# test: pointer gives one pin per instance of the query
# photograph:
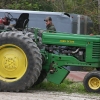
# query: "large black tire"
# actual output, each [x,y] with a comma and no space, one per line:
[98,69]
[30,35]
[30,60]
[39,44]
[39,39]
[41,78]
[91,81]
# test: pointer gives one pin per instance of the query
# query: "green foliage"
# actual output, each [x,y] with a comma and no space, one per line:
[84,7]
[26,5]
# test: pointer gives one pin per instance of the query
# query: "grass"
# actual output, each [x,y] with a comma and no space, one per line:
[67,86]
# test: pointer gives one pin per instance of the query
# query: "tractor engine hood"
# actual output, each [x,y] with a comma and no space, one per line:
[69,39]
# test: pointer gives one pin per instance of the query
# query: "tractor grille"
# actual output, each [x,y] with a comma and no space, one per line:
[96,50]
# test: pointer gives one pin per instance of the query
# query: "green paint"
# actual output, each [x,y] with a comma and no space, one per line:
[91,45]
[92,56]
[58,76]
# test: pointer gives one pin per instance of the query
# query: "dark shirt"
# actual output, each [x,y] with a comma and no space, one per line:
[51,28]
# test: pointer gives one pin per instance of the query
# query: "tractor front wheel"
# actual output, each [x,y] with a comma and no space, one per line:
[92,81]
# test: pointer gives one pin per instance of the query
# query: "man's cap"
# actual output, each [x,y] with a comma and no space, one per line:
[48,18]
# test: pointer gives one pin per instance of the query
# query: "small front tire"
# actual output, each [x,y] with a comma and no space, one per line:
[91,81]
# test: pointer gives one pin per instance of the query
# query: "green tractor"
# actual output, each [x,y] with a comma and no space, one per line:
[28,56]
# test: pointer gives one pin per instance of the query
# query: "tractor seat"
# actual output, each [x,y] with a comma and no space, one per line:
[22,21]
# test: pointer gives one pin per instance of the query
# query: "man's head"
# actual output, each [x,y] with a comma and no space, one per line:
[48,21]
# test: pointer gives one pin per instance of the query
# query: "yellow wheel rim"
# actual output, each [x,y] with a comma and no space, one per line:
[13,63]
[94,83]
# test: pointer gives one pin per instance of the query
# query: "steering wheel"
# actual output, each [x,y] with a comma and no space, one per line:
[9,16]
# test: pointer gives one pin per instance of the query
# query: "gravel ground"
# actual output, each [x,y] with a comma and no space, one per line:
[45,95]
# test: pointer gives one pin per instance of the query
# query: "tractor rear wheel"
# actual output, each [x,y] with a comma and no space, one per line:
[92,81]
[41,77]
[20,62]
[98,69]
[39,44]
[39,39]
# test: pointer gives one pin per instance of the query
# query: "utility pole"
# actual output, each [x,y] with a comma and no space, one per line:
[99,13]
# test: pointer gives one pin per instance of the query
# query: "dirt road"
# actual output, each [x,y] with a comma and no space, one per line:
[44,95]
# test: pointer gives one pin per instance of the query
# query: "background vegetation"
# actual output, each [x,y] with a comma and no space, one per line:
[86,7]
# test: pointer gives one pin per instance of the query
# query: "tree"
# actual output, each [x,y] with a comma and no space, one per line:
[90,8]
[26,4]
[83,7]
[99,13]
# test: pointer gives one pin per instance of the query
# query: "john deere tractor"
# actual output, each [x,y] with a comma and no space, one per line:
[29,55]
